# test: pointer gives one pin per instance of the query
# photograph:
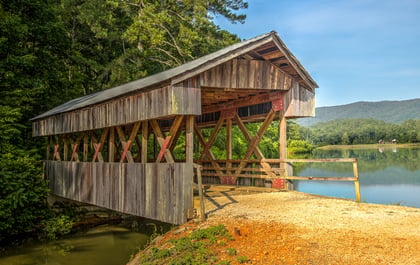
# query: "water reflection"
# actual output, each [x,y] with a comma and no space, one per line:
[387,175]
[104,245]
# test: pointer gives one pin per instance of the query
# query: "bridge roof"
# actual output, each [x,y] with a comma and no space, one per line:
[267,46]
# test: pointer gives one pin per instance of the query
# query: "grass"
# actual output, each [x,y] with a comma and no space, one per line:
[195,248]
[242,259]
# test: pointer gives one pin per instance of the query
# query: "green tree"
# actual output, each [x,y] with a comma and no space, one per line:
[22,195]
[32,46]
[345,138]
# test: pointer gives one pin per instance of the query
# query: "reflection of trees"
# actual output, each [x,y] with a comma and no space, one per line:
[369,160]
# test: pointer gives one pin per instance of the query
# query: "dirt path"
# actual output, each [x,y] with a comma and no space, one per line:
[297,228]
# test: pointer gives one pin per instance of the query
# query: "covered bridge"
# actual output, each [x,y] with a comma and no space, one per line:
[133,148]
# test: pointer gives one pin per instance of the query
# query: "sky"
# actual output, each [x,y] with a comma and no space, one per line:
[356,50]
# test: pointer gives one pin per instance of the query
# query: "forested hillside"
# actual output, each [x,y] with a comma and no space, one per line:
[363,131]
[388,111]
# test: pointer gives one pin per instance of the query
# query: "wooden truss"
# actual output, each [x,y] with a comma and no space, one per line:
[123,144]
[247,166]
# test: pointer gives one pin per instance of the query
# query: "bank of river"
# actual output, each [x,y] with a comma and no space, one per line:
[298,228]
[369,146]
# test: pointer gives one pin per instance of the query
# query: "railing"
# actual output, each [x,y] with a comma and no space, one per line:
[273,169]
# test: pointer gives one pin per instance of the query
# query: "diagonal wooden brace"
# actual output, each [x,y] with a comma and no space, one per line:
[253,145]
[127,144]
[56,155]
[212,137]
[98,146]
[170,138]
[161,139]
[210,154]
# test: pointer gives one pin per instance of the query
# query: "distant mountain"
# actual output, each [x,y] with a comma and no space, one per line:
[388,111]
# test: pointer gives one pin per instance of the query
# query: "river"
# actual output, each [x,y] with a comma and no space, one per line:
[103,245]
[387,175]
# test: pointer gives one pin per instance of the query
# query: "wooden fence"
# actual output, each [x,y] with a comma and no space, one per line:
[160,191]
[266,169]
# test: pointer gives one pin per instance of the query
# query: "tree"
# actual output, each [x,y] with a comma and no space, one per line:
[363,131]
[23,195]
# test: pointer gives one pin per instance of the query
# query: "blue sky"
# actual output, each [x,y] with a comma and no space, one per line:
[356,50]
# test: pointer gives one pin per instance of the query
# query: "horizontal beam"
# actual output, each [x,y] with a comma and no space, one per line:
[273,161]
[243,102]
[259,176]
[276,170]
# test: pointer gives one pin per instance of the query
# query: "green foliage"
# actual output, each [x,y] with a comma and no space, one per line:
[242,259]
[22,195]
[231,251]
[56,226]
[212,234]
[299,147]
[192,249]
[9,128]
[364,131]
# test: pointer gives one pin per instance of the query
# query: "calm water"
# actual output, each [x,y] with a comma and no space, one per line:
[104,245]
[387,176]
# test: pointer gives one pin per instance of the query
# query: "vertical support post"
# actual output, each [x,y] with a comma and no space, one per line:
[85,146]
[200,193]
[356,180]
[283,137]
[65,148]
[228,145]
[56,155]
[144,138]
[189,139]
[48,153]
[189,151]
[283,150]
[111,144]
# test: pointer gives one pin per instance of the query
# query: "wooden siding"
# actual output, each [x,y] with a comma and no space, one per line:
[246,74]
[299,102]
[162,102]
[157,191]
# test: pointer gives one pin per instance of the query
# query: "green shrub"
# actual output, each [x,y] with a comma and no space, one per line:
[57,226]
[299,147]
[23,195]
[192,249]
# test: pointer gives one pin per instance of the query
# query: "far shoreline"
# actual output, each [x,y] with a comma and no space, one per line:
[368,146]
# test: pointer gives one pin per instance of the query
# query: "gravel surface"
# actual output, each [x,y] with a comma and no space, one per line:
[297,228]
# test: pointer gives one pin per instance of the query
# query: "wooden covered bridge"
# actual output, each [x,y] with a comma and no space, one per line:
[133,148]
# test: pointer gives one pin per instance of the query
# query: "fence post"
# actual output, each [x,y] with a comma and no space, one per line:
[200,192]
[356,180]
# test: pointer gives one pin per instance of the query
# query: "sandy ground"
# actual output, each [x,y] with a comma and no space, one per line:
[297,228]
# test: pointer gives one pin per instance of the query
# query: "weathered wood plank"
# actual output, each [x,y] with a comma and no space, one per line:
[156,103]
[141,190]
[158,191]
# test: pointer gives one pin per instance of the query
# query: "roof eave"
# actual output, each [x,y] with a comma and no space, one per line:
[295,63]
